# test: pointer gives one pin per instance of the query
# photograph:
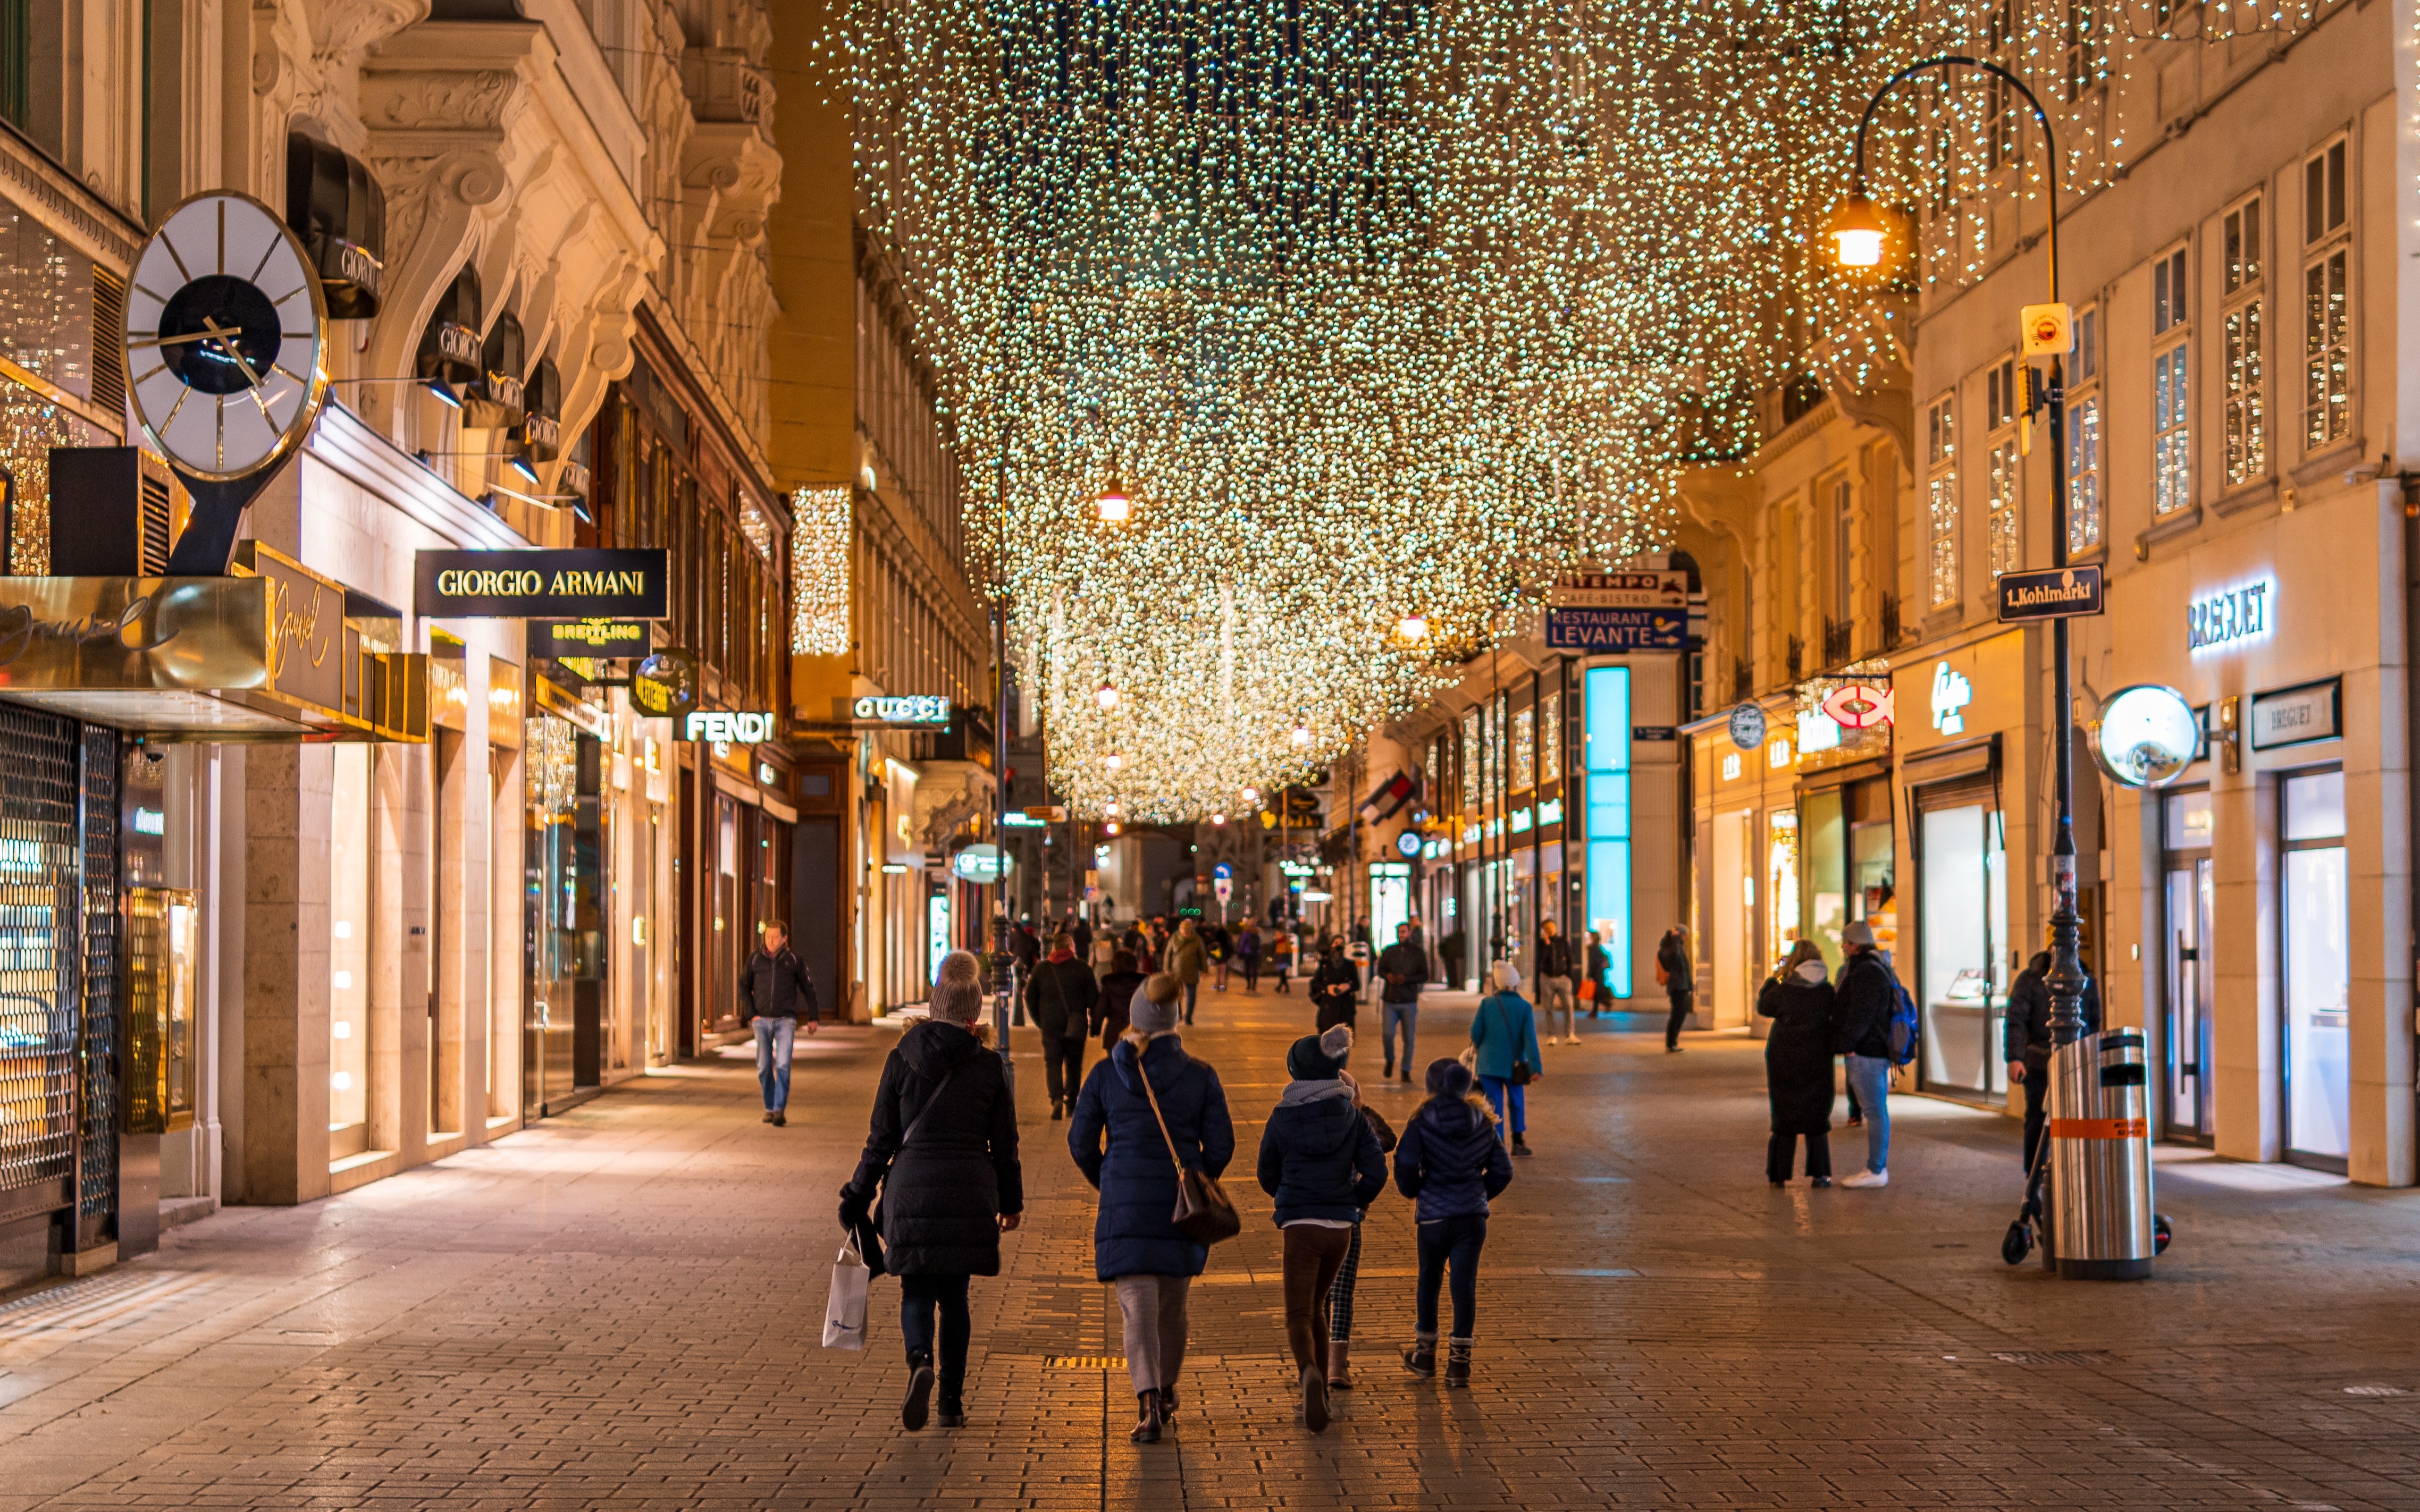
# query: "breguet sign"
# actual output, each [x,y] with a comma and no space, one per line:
[542,585]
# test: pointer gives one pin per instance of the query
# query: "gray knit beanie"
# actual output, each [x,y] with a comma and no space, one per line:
[958,989]
[1156,1004]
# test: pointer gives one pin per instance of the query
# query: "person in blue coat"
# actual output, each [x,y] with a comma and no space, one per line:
[1504,1035]
[1449,1161]
[1117,1143]
[1321,1161]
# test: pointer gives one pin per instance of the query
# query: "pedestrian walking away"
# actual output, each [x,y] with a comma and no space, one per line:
[1248,957]
[1600,977]
[775,993]
[1348,1275]
[2025,1038]
[1402,970]
[1680,981]
[1062,1001]
[1504,1052]
[1117,1141]
[939,1180]
[1123,979]
[1798,1064]
[1282,955]
[1321,1161]
[1867,998]
[1556,970]
[1336,987]
[1450,1162]
[1187,956]
[1103,955]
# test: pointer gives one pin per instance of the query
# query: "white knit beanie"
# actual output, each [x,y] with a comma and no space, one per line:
[1508,975]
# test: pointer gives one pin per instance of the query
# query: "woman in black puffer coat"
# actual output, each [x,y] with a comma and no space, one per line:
[1320,1159]
[941,1153]
[1798,1064]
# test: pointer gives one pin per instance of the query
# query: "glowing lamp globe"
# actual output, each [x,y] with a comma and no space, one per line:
[1113,503]
[1858,233]
[1107,696]
[1412,629]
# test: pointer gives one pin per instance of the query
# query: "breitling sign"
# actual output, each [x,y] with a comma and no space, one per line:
[542,585]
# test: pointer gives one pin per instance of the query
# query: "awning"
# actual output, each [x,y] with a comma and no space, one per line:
[269,654]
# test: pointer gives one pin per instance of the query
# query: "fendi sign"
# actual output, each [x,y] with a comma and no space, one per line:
[542,585]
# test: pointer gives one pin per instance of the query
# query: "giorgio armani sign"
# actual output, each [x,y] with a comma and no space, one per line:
[542,585]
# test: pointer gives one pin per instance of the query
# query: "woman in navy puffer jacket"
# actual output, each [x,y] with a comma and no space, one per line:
[1321,1161]
[1116,1141]
[1449,1163]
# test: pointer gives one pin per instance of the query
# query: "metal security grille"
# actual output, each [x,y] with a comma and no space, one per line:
[39,965]
[96,1185]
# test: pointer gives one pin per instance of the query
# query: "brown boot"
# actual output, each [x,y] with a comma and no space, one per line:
[1315,1399]
[1338,1355]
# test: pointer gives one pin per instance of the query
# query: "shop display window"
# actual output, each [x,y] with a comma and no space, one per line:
[1962,971]
[349,952]
[2317,967]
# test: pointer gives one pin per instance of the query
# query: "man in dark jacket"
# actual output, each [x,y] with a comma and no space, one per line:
[1335,987]
[2027,1043]
[774,994]
[941,1153]
[1062,1000]
[1867,1000]
[1403,969]
[1553,972]
[1680,982]
[1321,1161]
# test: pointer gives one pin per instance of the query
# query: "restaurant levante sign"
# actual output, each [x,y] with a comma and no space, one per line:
[543,585]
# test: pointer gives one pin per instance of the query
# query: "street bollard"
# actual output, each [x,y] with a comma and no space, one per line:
[2102,1227]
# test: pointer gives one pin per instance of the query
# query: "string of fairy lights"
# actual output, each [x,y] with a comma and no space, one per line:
[1375,316]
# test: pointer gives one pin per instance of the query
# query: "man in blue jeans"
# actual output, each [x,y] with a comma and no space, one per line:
[774,994]
[1861,1028]
[1403,969]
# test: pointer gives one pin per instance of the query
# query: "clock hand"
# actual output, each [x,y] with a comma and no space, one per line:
[226,340]
[170,341]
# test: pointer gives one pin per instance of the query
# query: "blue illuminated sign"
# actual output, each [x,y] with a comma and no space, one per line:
[1606,693]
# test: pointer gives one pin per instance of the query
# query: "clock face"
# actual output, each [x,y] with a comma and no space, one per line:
[225,334]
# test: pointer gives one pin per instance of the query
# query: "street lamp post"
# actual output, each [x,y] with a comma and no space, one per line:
[1859,232]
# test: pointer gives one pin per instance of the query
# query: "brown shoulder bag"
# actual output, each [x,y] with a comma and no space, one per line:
[1203,1214]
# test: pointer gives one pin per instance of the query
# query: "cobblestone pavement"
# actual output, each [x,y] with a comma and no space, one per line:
[621,1309]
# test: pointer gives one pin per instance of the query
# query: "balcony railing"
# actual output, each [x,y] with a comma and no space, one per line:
[1838,636]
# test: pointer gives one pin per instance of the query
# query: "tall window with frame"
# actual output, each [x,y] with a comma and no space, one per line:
[2084,434]
[2081,62]
[2006,538]
[1941,499]
[2327,290]
[2171,388]
[2245,411]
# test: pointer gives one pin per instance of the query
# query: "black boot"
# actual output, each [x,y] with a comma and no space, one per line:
[1146,1428]
[913,1412]
[1419,1356]
[1521,1146]
[1457,1363]
[950,1411]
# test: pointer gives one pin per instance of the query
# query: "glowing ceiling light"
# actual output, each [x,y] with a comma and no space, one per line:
[1107,696]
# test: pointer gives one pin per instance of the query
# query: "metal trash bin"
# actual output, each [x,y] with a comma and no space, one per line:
[2100,1158]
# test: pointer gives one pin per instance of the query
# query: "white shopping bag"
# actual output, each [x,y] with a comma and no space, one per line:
[845,1315]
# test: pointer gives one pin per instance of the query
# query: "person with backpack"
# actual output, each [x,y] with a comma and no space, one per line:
[1149,1093]
[1866,1010]
[1798,1064]
[1321,1161]
[940,1154]
[1680,982]
[1504,1051]
[1451,1164]
[1062,1000]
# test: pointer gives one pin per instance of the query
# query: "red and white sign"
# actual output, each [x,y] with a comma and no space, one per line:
[1858,706]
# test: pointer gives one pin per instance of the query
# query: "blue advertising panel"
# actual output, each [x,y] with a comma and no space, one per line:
[1607,755]
[1617,629]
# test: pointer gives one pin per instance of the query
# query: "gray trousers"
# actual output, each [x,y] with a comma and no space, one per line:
[1152,1310]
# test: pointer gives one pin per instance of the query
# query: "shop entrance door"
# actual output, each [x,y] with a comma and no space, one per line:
[2318,968]
[1734,910]
[2191,979]
[1963,914]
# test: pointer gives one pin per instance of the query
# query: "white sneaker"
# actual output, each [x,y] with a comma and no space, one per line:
[1866,1179]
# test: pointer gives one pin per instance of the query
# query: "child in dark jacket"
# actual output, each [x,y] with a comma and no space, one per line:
[1322,1163]
[1449,1163]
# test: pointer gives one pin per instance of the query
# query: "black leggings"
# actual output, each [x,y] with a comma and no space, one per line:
[919,1296]
[1458,1240]
[1681,1004]
[1781,1148]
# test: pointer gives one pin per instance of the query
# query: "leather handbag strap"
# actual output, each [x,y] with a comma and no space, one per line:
[1173,1157]
[927,1107]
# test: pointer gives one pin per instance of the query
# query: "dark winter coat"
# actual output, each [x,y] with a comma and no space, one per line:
[1402,967]
[943,1193]
[1553,956]
[1862,1015]
[1117,1145]
[1336,990]
[1679,979]
[1600,970]
[1319,1157]
[1116,1009]
[1449,1161]
[774,985]
[1798,1056]
[1062,999]
[2025,1030]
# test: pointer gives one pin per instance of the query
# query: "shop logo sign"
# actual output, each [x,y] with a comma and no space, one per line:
[728,727]
[2222,621]
[1951,693]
